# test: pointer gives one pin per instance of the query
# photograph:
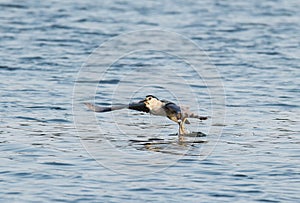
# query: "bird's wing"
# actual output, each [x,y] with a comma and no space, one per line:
[188,114]
[140,106]
[172,108]
[101,109]
[192,115]
[134,106]
[172,111]
[185,110]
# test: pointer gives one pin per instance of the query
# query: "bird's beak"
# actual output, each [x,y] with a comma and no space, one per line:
[142,101]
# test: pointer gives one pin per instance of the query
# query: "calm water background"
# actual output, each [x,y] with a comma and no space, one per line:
[255,47]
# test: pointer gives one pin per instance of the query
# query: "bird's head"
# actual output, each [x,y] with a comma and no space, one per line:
[152,101]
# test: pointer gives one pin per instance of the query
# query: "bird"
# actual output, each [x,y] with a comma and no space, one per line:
[151,104]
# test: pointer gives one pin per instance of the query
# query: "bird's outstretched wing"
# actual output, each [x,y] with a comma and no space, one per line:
[185,110]
[140,106]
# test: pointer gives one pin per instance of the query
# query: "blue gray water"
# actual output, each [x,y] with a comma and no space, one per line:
[45,157]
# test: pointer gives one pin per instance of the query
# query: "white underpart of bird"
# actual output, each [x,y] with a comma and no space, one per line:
[154,106]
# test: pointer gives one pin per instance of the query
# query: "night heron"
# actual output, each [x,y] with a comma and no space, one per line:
[154,106]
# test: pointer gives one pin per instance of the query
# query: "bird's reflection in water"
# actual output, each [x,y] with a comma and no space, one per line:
[177,145]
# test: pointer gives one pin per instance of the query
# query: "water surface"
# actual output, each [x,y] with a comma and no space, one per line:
[253,45]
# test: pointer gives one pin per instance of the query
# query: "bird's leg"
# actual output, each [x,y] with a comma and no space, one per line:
[182,130]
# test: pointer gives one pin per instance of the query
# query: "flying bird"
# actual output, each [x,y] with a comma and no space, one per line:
[154,106]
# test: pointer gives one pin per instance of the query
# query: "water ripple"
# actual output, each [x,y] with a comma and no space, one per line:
[254,46]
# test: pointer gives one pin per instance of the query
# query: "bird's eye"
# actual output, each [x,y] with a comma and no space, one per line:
[149,98]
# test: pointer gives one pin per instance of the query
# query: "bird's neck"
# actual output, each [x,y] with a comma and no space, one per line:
[156,108]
